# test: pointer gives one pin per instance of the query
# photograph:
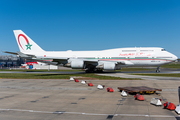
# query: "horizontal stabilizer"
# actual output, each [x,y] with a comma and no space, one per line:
[20,54]
[25,55]
[14,53]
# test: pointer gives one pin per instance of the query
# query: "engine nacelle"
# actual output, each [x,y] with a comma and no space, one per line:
[109,66]
[77,64]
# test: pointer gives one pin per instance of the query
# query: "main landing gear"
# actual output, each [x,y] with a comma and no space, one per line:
[90,69]
[94,71]
[158,69]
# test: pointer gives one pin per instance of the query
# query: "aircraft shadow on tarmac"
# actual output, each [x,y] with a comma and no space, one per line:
[164,70]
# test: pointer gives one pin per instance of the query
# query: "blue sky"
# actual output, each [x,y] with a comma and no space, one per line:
[59,25]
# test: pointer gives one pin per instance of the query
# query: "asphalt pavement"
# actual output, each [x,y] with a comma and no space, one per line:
[39,99]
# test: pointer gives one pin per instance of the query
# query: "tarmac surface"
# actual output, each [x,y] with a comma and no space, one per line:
[125,75]
[163,71]
[40,99]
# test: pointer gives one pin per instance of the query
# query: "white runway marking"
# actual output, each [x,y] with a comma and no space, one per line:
[79,113]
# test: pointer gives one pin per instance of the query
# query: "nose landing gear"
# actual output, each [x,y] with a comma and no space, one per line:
[158,69]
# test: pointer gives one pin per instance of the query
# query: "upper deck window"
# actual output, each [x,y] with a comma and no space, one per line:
[146,50]
[128,50]
[163,50]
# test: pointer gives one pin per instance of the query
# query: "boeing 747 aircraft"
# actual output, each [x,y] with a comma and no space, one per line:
[111,59]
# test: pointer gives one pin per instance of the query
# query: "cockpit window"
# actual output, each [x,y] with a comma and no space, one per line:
[163,50]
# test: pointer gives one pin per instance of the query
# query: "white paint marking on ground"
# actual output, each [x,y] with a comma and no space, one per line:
[46,88]
[127,115]
[129,75]
[170,90]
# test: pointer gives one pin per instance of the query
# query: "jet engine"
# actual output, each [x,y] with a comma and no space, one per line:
[77,64]
[109,66]
[106,65]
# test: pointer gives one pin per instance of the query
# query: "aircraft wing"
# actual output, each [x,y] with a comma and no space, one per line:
[90,61]
[63,60]
[126,62]
[96,61]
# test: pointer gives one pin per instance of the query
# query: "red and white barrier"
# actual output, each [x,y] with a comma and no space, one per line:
[90,84]
[100,87]
[83,82]
[109,89]
[156,101]
[123,93]
[139,97]
[71,78]
[169,106]
[76,80]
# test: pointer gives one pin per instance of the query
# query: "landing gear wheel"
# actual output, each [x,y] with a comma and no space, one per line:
[89,70]
[99,71]
[158,70]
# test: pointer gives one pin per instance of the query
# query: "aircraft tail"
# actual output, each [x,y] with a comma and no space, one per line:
[25,43]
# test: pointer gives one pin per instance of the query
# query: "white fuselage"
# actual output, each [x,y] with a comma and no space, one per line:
[111,59]
[146,56]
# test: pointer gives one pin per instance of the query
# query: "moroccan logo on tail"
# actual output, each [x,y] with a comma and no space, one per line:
[27,41]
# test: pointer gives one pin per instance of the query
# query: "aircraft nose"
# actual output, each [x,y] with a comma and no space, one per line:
[175,57]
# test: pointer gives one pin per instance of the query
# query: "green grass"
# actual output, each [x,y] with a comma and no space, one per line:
[172,65]
[57,76]
[67,76]
[27,70]
[158,74]
[126,69]
[76,70]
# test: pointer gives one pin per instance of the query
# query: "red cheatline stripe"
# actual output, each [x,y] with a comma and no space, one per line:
[132,59]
